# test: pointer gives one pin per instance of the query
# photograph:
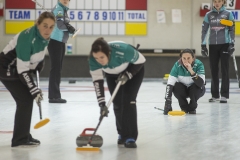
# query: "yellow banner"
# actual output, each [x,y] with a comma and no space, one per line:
[237,28]
[14,27]
[136,29]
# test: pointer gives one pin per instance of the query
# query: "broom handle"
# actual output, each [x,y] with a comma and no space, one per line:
[39,104]
[108,105]
[159,108]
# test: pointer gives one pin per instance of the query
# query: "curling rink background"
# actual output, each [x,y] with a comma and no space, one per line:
[213,133]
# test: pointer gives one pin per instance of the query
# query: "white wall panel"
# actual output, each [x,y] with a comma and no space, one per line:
[113,4]
[80,4]
[112,28]
[104,28]
[96,4]
[88,28]
[105,4]
[48,4]
[96,28]
[73,4]
[54,2]
[121,4]
[88,4]
[120,28]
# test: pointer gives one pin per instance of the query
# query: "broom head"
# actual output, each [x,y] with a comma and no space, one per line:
[41,123]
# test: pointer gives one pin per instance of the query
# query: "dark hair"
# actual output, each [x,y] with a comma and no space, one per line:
[187,51]
[100,45]
[45,15]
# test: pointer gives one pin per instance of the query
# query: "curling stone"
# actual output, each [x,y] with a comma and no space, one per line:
[83,139]
[165,78]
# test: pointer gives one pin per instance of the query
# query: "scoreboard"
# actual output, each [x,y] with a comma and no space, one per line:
[94,17]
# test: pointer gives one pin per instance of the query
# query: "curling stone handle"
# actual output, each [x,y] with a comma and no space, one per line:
[87,129]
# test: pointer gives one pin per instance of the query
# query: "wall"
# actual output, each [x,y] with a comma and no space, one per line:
[168,36]
[156,66]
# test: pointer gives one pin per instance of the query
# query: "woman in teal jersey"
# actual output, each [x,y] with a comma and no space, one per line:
[57,49]
[186,80]
[118,59]
[221,46]
[24,54]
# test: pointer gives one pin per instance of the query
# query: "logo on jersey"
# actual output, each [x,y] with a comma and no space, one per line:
[59,13]
[97,88]
[33,40]
[215,21]
[211,17]
[223,16]
[120,53]
[115,45]
[27,31]
[217,28]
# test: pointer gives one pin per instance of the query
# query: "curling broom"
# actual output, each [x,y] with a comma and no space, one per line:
[46,120]
[88,147]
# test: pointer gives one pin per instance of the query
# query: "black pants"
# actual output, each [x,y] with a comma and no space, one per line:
[216,53]
[125,105]
[56,51]
[182,92]
[23,115]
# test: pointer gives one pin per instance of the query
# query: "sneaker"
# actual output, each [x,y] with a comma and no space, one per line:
[213,99]
[192,112]
[57,100]
[223,100]
[120,141]
[27,144]
[130,143]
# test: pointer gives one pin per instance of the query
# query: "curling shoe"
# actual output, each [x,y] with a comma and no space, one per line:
[27,144]
[223,100]
[35,141]
[213,99]
[120,141]
[192,112]
[130,143]
[57,100]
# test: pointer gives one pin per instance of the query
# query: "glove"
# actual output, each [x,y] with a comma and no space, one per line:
[39,67]
[204,51]
[231,49]
[168,106]
[103,110]
[38,96]
[124,77]
[70,28]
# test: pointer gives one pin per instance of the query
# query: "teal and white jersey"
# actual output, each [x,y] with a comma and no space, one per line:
[24,51]
[121,55]
[218,33]
[60,32]
[180,74]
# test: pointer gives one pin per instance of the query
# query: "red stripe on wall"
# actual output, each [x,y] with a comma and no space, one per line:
[19,4]
[136,4]
[237,4]
[1,12]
